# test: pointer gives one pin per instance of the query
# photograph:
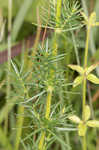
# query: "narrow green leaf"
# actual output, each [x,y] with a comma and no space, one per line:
[75,119]
[4,141]
[87,112]
[91,68]
[93,123]
[19,20]
[77,68]
[77,81]
[93,78]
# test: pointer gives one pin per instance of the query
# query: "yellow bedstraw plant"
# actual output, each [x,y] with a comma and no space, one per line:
[85,74]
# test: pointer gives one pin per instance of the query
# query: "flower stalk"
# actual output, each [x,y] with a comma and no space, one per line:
[85,74]
[89,23]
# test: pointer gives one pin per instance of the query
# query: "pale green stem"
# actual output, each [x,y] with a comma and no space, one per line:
[47,116]
[84,98]
[58,12]
[84,143]
[48,105]
[85,83]
[86,48]
[58,15]
[85,65]
[19,125]
[4,141]
[9,58]
[83,115]
[41,143]
[20,118]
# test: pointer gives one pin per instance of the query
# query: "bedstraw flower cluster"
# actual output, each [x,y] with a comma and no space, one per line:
[82,125]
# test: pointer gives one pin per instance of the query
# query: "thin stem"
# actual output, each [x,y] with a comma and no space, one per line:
[58,15]
[48,104]
[83,114]
[84,98]
[85,65]
[84,143]
[85,82]
[86,48]
[75,48]
[20,118]
[58,12]
[9,58]
[47,116]
[41,143]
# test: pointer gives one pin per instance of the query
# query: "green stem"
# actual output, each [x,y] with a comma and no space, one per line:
[4,141]
[48,103]
[84,143]
[86,48]
[47,116]
[20,119]
[19,125]
[84,98]
[58,12]
[85,83]
[58,15]
[9,58]
[41,143]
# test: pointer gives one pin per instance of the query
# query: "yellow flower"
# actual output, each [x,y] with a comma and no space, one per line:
[82,125]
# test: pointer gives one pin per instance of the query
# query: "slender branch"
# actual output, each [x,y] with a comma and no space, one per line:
[85,82]
[9,57]
[86,48]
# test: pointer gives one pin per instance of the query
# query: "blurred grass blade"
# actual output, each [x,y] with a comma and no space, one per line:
[20,18]
[4,141]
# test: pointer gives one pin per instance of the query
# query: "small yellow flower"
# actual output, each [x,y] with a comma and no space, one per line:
[82,125]
[84,73]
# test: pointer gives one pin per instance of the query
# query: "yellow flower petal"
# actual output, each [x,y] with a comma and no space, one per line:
[75,119]
[77,68]
[77,81]
[93,123]
[93,78]
[91,68]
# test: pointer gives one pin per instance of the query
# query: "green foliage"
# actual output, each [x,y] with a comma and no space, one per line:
[40,95]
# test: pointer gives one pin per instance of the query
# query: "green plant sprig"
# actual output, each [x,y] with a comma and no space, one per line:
[47,116]
[50,88]
[85,73]
[70,14]
[82,125]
